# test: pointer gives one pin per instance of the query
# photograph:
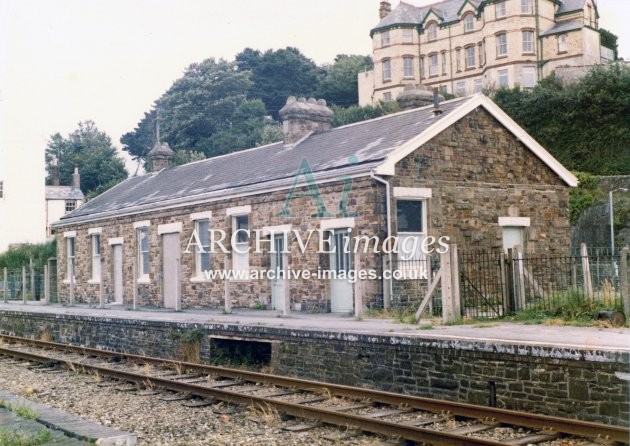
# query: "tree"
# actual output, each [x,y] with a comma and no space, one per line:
[205,111]
[276,75]
[92,152]
[609,40]
[357,113]
[585,125]
[340,83]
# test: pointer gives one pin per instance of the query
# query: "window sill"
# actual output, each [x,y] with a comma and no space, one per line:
[200,279]
[67,281]
[409,77]
[385,81]
[504,56]
[529,53]
[143,281]
[470,68]
[562,52]
[93,282]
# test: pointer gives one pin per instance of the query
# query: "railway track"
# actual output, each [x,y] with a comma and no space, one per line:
[413,418]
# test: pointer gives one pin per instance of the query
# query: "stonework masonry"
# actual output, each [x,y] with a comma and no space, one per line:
[575,383]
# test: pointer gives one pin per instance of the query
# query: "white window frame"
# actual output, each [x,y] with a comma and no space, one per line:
[527,72]
[503,74]
[408,263]
[70,237]
[240,260]
[469,22]
[142,275]
[502,45]
[70,205]
[407,35]
[432,31]
[408,67]
[387,70]
[527,7]
[470,56]
[528,41]
[562,42]
[385,38]
[434,68]
[444,63]
[95,242]
[460,88]
[501,9]
[199,271]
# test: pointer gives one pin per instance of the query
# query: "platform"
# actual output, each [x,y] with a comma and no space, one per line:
[566,337]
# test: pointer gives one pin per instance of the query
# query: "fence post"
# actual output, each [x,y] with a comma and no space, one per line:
[72,287]
[386,284]
[101,282]
[586,271]
[457,303]
[286,304]
[227,300]
[358,287]
[448,306]
[134,294]
[521,278]
[624,279]
[24,285]
[32,278]
[46,285]
[6,284]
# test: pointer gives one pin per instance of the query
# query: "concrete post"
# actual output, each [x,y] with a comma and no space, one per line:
[101,290]
[134,294]
[6,284]
[586,271]
[358,288]
[178,292]
[227,300]
[72,287]
[520,278]
[624,279]
[286,304]
[386,283]
[24,285]
[448,307]
[32,277]
[457,303]
[46,285]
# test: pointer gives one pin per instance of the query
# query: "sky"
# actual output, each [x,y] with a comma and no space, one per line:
[65,61]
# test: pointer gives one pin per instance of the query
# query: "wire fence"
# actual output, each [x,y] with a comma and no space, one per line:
[29,284]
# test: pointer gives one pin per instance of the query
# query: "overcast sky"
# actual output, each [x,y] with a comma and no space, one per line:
[63,61]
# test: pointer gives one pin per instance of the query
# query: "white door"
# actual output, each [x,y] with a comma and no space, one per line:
[341,289]
[170,270]
[278,282]
[512,236]
[117,271]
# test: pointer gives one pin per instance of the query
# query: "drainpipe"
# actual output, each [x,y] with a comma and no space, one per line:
[389,230]
[538,45]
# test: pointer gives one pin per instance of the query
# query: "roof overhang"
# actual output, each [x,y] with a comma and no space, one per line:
[480,100]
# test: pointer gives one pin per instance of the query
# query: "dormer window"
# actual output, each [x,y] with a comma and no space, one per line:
[469,22]
[501,9]
[432,31]
[385,38]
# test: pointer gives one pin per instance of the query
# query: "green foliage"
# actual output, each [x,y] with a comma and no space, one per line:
[609,40]
[583,196]
[193,335]
[278,74]
[16,437]
[187,156]
[339,85]
[585,125]
[18,257]
[91,151]
[356,113]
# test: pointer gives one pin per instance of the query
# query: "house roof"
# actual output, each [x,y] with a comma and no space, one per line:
[63,193]
[355,149]
[570,6]
[407,14]
[563,27]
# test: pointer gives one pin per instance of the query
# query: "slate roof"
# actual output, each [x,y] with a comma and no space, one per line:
[367,143]
[563,27]
[63,193]
[570,5]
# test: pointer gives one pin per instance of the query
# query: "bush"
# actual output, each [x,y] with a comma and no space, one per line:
[20,256]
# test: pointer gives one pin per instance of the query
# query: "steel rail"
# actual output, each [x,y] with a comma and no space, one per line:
[338,418]
[534,421]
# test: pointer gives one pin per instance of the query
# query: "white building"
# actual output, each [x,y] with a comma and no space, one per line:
[62,199]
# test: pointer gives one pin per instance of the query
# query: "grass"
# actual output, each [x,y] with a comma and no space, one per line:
[22,411]
[405,315]
[19,438]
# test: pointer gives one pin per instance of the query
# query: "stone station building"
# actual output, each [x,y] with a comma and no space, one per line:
[463,169]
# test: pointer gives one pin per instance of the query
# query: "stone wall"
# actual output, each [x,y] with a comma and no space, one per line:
[549,380]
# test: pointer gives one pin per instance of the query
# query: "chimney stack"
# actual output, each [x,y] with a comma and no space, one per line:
[385,9]
[76,179]
[54,171]
[415,96]
[301,117]
[161,157]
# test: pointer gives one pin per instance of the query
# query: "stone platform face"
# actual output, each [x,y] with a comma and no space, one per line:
[588,382]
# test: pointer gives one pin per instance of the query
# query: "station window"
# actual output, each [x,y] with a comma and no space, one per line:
[143,252]
[202,256]
[96,257]
[240,258]
[70,258]
[411,233]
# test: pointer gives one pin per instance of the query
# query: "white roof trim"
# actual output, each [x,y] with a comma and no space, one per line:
[116,241]
[514,221]
[238,210]
[413,192]
[388,167]
[337,223]
[170,228]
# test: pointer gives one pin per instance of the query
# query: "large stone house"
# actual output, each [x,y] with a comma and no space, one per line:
[463,46]
[464,170]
